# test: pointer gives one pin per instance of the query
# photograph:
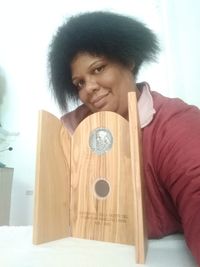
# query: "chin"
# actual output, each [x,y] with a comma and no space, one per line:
[107,108]
[104,108]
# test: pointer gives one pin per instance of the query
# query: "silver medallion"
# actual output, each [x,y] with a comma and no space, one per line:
[101,140]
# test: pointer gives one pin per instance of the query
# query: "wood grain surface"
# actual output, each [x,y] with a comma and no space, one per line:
[67,172]
[111,218]
[141,240]
[52,187]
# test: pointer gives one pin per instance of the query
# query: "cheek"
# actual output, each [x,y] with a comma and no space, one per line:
[107,80]
[82,95]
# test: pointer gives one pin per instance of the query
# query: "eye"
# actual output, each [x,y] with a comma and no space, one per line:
[79,84]
[99,69]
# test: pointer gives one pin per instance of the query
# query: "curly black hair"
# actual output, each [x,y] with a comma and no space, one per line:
[118,37]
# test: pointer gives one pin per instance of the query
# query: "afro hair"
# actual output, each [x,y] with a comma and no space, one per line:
[118,37]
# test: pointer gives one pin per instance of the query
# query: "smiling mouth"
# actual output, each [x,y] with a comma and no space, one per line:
[99,101]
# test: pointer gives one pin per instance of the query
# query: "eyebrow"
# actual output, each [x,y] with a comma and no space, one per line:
[89,67]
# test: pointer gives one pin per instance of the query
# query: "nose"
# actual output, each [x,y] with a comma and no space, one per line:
[91,85]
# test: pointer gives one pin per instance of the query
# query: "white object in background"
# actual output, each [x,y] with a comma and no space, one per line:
[6,137]
[5,134]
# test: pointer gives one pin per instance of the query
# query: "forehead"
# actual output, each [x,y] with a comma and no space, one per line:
[86,57]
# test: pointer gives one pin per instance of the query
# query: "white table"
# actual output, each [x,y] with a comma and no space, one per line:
[17,250]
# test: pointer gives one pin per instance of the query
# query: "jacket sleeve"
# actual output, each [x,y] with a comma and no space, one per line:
[179,171]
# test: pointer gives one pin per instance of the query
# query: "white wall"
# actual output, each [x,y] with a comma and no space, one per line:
[181,24]
[26,28]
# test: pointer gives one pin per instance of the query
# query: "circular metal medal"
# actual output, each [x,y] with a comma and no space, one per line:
[100,140]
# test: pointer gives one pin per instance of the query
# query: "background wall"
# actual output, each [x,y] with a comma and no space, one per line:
[26,28]
[181,23]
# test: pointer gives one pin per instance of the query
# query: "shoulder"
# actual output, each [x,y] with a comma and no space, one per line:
[173,110]
[175,129]
[171,141]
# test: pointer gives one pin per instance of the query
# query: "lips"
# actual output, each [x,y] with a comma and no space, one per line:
[99,101]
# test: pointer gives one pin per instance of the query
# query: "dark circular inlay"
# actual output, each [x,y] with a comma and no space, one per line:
[102,188]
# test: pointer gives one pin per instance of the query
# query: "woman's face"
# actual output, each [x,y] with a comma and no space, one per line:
[102,84]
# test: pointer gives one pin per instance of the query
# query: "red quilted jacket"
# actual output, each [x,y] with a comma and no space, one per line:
[171,152]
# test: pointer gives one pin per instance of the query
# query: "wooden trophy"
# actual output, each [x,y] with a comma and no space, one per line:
[90,185]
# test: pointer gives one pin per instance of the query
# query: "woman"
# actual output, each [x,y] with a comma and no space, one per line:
[95,57]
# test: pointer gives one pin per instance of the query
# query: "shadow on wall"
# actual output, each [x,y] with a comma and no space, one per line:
[2,85]
[2,94]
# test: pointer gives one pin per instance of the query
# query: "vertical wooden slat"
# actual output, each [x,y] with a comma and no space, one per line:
[52,187]
[141,240]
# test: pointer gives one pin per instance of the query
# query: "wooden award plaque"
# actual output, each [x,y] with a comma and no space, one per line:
[90,185]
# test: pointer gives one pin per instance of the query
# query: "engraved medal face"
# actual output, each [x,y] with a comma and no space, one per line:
[101,140]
